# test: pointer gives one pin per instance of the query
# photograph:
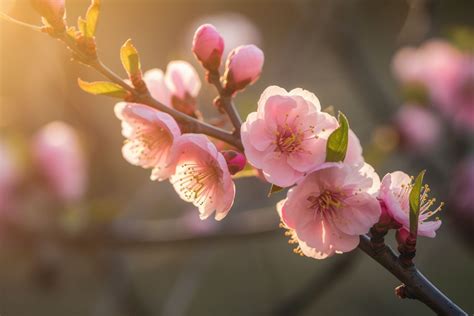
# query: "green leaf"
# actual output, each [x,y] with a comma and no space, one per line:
[415,196]
[336,146]
[92,16]
[82,25]
[109,89]
[274,189]
[130,58]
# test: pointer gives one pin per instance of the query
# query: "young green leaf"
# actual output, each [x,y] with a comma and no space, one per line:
[82,25]
[130,58]
[415,196]
[92,16]
[336,146]
[109,89]
[274,189]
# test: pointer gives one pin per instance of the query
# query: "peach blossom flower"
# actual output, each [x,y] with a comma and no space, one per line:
[60,158]
[287,135]
[327,211]
[208,46]
[150,135]
[243,67]
[177,88]
[201,176]
[419,127]
[394,192]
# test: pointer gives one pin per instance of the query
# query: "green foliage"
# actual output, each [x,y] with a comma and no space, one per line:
[415,196]
[92,17]
[274,189]
[130,58]
[103,88]
[336,146]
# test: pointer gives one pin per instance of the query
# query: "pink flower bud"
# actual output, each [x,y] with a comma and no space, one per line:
[208,46]
[235,161]
[52,10]
[60,160]
[243,67]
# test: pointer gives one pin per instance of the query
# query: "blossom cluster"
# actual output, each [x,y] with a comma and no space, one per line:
[439,74]
[329,203]
[198,171]
[57,162]
[334,196]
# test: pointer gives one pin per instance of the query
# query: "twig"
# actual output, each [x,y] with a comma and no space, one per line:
[417,284]
[190,123]
[226,102]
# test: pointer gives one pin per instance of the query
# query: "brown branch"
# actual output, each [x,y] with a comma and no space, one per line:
[226,102]
[189,123]
[416,283]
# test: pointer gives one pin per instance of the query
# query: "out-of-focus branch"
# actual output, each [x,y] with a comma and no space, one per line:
[417,286]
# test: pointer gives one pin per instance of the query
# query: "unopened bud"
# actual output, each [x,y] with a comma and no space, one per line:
[235,161]
[243,67]
[208,46]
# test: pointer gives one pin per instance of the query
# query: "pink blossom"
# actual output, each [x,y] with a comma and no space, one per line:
[446,73]
[155,82]
[177,88]
[287,135]
[9,175]
[243,67]
[201,176]
[422,65]
[419,127]
[394,192]
[454,95]
[327,211]
[60,158]
[208,46]
[150,135]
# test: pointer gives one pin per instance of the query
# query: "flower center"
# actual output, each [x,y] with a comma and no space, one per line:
[325,202]
[426,203]
[150,143]
[290,137]
[198,180]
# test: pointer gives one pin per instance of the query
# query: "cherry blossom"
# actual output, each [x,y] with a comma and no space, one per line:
[327,211]
[150,135]
[201,176]
[287,135]
[243,67]
[208,46]
[395,191]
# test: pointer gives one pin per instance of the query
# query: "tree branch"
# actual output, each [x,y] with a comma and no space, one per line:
[417,284]
[189,123]
[226,102]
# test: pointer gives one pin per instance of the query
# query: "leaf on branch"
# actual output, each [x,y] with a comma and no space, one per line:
[92,17]
[130,58]
[106,88]
[415,196]
[82,25]
[274,189]
[336,146]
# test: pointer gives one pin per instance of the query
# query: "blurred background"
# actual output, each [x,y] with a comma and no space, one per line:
[64,184]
